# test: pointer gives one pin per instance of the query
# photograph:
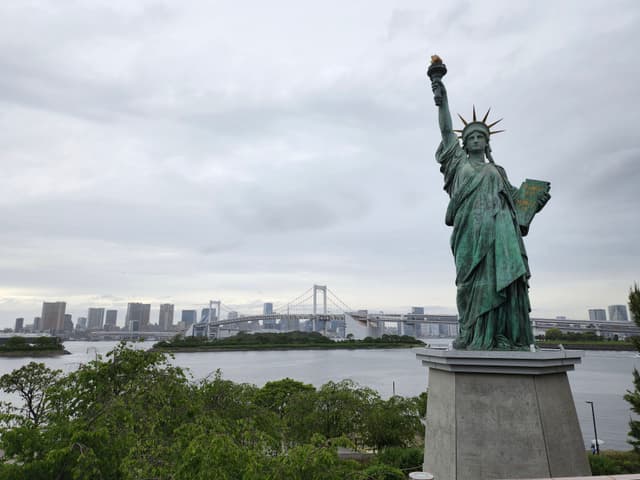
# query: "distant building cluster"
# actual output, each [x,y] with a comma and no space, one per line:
[54,319]
[617,313]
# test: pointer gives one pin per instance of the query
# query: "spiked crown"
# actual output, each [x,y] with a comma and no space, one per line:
[477,126]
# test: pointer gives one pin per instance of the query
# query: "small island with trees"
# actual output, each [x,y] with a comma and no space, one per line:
[283,341]
[17,346]
[583,341]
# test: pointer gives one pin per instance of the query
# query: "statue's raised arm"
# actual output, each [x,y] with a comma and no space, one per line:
[436,71]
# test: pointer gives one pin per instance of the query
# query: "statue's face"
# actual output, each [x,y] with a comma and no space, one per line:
[475,142]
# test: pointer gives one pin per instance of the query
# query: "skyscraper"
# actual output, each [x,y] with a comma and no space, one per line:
[68,323]
[269,323]
[618,313]
[95,318]
[189,317]
[111,319]
[165,319]
[19,327]
[137,318]
[597,315]
[37,324]
[52,318]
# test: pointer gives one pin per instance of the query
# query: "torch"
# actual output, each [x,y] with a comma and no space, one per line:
[436,71]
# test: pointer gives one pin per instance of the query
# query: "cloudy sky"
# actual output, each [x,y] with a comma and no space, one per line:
[243,151]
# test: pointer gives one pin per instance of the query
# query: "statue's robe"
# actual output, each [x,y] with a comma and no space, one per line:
[491,262]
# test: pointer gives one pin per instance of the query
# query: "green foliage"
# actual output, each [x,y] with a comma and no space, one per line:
[265,341]
[421,401]
[633,397]
[406,459]
[602,465]
[381,472]
[555,334]
[32,384]
[393,422]
[17,343]
[341,409]
[634,304]
[276,396]
[132,414]
[611,462]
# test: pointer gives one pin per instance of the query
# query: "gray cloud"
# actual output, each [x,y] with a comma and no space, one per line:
[174,153]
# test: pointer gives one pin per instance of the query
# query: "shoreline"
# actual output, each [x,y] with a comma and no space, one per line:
[34,353]
[237,348]
[623,347]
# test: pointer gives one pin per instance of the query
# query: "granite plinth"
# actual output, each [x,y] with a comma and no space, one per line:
[496,415]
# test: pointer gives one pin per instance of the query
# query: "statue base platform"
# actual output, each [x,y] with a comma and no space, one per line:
[497,415]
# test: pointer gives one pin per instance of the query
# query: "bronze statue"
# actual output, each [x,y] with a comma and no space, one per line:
[489,217]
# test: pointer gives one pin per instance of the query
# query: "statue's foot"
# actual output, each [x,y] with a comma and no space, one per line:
[459,344]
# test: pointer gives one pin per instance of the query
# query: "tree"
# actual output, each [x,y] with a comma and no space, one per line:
[553,334]
[633,397]
[392,423]
[106,416]
[341,409]
[31,383]
[276,395]
[634,304]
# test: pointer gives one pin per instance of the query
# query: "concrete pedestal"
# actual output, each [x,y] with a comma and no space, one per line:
[497,415]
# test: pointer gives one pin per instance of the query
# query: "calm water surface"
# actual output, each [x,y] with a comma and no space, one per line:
[603,377]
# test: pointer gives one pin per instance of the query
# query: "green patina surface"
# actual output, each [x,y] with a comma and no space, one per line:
[489,217]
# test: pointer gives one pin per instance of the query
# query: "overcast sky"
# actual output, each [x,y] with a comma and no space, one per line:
[243,151]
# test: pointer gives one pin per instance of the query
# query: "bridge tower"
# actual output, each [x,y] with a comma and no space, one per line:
[212,330]
[322,324]
[323,290]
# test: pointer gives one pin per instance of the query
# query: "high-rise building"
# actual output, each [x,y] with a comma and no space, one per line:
[53,316]
[597,315]
[417,310]
[189,317]
[269,323]
[81,323]
[95,318]
[165,319]
[111,318]
[37,324]
[618,313]
[137,318]
[19,326]
[68,323]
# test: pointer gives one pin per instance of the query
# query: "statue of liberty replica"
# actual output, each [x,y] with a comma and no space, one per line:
[497,407]
[489,217]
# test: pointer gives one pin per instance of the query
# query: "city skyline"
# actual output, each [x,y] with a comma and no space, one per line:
[179,313]
[185,152]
